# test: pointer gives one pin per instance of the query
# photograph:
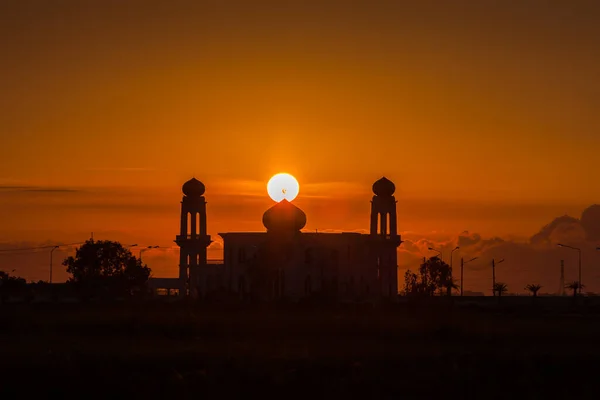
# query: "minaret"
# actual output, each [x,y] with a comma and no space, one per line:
[384,236]
[192,239]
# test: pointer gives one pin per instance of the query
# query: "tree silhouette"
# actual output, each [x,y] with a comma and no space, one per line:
[433,276]
[450,285]
[533,288]
[106,267]
[500,288]
[574,286]
[11,285]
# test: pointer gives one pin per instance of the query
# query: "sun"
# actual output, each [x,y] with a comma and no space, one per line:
[283,186]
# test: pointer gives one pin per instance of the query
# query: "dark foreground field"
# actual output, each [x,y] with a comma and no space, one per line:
[182,351]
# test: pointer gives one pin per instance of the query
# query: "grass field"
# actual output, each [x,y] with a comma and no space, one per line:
[184,351]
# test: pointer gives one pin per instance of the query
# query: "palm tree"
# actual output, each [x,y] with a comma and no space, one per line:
[533,288]
[575,286]
[450,284]
[500,288]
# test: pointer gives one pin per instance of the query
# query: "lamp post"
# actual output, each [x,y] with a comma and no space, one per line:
[147,248]
[436,250]
[51,252]
[451,271]
[494,275]
[451,258]
[579,253]
[462,265]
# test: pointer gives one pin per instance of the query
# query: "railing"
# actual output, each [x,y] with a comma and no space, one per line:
[214,262]
[188,237]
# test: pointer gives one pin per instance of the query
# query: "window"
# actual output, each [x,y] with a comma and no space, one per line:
[388,219]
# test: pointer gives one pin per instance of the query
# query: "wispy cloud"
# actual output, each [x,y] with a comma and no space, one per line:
[120,169]
[39,189]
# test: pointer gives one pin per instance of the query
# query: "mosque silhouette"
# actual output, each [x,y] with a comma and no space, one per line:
[284,261]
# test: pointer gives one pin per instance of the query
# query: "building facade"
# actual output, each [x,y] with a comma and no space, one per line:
[286,262]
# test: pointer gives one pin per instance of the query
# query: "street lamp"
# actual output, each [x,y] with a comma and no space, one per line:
[494,275]
[451,253]
[438,251]
[51,252]
[579,252]
[462,265]
[451,271]
[147,248]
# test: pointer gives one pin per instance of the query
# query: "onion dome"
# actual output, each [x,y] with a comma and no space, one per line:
[284,217]
[193,188]
[384,187]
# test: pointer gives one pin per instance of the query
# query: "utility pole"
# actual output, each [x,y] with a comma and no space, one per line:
[493,277]
[561,290]
[462,267]
[580,284]
[451,270]
[579,253]
[494,274]
[51,251]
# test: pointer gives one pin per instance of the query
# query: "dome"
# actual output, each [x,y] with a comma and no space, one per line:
[384,187]
[193,187]
[284,217]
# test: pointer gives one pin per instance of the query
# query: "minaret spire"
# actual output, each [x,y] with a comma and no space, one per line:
[192,239]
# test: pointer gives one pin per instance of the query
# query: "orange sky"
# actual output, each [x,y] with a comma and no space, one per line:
[483,113]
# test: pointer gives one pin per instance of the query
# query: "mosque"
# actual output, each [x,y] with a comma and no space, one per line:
[285,262]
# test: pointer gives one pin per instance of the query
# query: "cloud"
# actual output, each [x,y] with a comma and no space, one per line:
[467,239]
[38,189]
[120,169]
[564,228]
[333,190]
[535,260]
[590,221]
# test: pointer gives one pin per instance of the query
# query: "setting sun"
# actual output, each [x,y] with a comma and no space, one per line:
[283,186]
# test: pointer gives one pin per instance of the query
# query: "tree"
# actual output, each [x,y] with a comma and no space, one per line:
[433,276]
[11,285]
[105,266]
[500,288]
[533,288]
[575,286]
[450,285]
[412,285]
